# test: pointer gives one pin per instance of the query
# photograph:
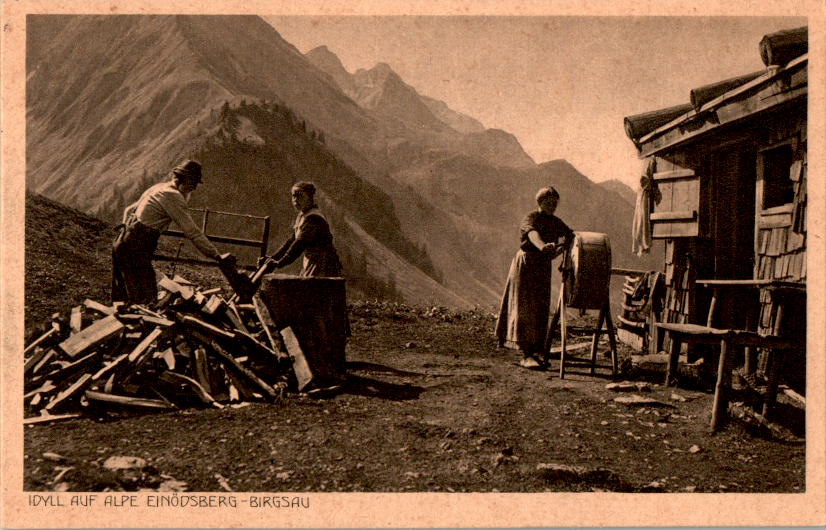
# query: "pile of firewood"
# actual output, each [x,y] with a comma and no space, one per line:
[191,348]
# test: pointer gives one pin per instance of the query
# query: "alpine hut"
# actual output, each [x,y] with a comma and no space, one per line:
[724,186]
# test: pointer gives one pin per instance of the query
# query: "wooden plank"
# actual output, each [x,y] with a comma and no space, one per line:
[40,340]
[674,174]
[207,328]
[267,323]
[303,373]
[687,215]
[203,395]
[230,361]
[165,322]
[96,333]
[49,418]
[76,319]
[131,401]
[777,220]
[201,369]
[97,306]
[235,317]
[144,344]
[110,366]
[82,382]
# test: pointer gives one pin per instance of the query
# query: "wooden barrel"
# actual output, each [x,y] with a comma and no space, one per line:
[589,261]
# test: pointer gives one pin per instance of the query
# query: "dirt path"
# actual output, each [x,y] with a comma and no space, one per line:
[431,405]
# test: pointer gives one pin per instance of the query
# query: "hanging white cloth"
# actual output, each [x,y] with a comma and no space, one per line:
[641,227]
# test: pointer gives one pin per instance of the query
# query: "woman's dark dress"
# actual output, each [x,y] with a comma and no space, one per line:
[526,302]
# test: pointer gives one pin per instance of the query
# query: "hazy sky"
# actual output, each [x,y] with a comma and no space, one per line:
[562,85]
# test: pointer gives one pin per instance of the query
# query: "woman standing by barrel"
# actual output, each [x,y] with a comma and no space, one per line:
[523,316]
[311,237]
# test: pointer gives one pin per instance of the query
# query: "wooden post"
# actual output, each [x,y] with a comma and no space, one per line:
[721,389]
[673,358]
[563,331]
[773,359]
[612,336]
[595,341]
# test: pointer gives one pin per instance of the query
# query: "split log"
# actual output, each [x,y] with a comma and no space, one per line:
[97,306]
[174,287]
[158,321]
[215,305]
[201,369]
[93,335]
[109,367]
[303,373]
[239,389]
[203,395]
[235,317]
[238,369]
[206,328]
[267,324]
[45,388]
[76,319]
[144,344]
[82,382]
[36,359]
[41,340]
[64,373]
[50,354]
[47,418]
[131,401]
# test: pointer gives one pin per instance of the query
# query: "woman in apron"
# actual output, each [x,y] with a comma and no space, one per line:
[526,302]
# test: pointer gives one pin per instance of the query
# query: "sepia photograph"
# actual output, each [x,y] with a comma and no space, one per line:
[264,265]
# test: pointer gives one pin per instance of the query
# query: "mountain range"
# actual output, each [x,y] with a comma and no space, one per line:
[424,200]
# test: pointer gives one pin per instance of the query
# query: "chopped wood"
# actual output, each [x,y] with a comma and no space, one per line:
[172,377]
[97,306]
[50,354]
[43,338]
[45,388]
[158,321]
[235,317]
[202,369]
[110,366]
[268,325]
[801,400]
[73,389]
[93,335]
[230,361]
[131,401]
[168,356]
[61,374]
[47,418]
[208,292]
[180,280]
[207,328]
[144,344]
[303,374]
[76,319]
[172,286]
[214,305]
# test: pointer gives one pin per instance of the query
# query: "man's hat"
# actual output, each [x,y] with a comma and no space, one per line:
[188,169]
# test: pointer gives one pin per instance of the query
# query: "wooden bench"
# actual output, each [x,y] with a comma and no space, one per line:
[727,339]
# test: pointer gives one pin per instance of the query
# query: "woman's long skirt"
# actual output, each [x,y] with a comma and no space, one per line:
[526,302]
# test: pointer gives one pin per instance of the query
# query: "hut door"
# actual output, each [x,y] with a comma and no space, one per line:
[732,177]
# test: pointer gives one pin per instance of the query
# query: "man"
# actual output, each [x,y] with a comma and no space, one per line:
[133,278]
